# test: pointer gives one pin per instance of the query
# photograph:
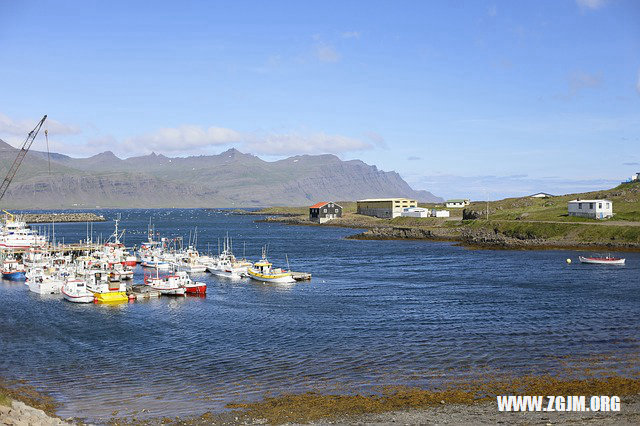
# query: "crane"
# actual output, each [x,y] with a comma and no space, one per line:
[21,154]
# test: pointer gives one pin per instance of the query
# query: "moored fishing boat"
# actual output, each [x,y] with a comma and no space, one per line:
[45,281]
[264,271]
[602,260]
[190,286]
[75,290]
[168,285]
[104,290]
[13,270]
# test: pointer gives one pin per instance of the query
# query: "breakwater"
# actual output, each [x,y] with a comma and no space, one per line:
[61,217]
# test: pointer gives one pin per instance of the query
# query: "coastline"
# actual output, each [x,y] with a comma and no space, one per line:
[478,234]
[23,405]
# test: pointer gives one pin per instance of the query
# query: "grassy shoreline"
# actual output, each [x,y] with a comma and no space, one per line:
[513,223]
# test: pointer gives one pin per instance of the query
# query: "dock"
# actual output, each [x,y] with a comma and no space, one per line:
[301,276]
[141,292]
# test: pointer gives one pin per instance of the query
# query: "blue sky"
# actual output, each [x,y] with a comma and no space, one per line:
[475,99]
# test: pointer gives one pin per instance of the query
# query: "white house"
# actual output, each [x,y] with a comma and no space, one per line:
[440,213]
[595,209]
[540,195]
[636,177]
[414,212]
[457,203]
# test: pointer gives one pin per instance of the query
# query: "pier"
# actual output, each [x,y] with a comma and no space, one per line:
[301,276]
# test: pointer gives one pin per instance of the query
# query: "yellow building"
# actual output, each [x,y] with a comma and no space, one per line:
[386,208]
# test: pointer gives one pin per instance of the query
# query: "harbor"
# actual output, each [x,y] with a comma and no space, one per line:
[351,328]
[102,271]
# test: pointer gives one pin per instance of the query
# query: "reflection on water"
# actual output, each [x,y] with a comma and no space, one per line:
[376,312]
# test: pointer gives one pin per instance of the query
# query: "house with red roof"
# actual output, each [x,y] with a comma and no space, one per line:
[324,211]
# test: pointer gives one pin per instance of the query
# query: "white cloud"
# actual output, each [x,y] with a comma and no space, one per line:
[295,143]
[10,126]
[579,81]
[196,139]
[591,4]
[326,53]
[351,34]
[185,138]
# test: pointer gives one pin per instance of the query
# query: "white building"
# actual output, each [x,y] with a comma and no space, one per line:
[457,203]
[415,212]
[636,177]
[440,213]
[387,208]
[595,209]
[541,195]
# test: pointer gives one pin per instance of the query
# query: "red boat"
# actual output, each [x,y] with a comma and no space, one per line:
[191,287]
[604,260]
[196,288]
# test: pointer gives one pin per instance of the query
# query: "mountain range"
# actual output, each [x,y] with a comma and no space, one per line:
[229,179]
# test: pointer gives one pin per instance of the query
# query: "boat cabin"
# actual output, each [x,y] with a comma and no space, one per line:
[324,211]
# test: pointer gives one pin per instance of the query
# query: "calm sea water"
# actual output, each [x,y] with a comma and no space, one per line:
[376,312]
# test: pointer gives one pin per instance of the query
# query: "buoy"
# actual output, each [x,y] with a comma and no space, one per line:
[568,260]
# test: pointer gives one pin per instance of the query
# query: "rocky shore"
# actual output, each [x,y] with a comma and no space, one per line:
[21,414]
[61,217]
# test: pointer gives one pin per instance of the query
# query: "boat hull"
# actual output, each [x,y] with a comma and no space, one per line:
[276,278]
[196,289]
[84,298]
[601,261]
[111,297]
[53,287]
[14,276]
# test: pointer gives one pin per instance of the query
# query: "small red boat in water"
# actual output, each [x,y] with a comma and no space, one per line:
[606,260]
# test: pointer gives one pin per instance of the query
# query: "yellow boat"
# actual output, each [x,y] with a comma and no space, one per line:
[111,297]
[264,271]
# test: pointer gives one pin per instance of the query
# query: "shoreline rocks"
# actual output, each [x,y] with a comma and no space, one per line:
[20,414]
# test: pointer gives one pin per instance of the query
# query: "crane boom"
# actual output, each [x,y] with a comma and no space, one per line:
[23,151]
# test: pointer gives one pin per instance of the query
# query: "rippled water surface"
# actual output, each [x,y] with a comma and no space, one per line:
[376,312]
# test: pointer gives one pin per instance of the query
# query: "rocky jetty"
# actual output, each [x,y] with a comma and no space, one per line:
[61,217]
[20,414]
[404,233]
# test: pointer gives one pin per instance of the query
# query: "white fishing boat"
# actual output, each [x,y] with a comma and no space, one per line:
[75,290]
[168,285]
[154,261]
[105,290]
[226,265]
[264,271]
[602,260]
[16,234]
[45,281]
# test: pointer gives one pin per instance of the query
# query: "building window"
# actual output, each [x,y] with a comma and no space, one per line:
[607,205]
[599,205]
[336,210]
[325,210]
[580,206]
[590,206]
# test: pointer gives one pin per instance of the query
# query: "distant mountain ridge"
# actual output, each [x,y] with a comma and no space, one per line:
[229,179]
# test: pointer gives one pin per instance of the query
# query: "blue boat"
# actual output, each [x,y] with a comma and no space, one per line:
[14,275]
[13,270]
